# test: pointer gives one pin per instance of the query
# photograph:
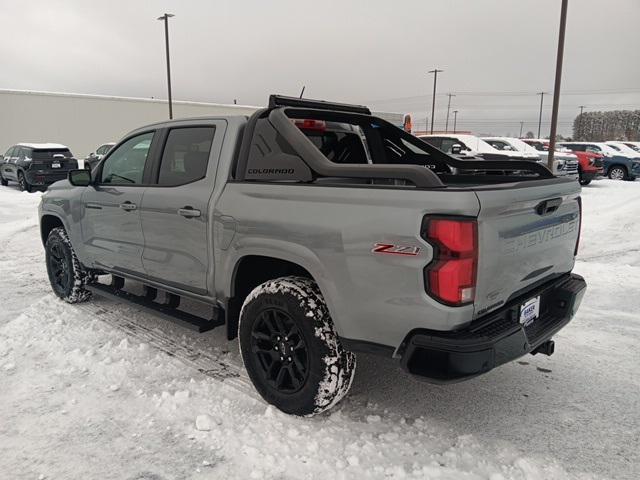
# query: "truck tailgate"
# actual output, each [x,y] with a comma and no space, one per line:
[526,235]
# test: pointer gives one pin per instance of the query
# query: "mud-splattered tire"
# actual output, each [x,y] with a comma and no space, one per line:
[66,275]
[290,348]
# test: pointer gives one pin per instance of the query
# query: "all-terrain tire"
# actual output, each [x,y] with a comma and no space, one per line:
[290,348]
[23,185]
[618,173]
[66,275]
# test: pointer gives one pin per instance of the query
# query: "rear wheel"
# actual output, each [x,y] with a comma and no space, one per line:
[617,173]
[290,348]
[23,185]
[66,275]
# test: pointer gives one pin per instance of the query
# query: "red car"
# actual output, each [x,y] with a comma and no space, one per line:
[590,164]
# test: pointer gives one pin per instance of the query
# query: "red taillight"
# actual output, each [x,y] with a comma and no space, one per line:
[575,252]
[310,124]
[451,276]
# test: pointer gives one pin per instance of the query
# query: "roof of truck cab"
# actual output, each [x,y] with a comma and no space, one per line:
[42,146]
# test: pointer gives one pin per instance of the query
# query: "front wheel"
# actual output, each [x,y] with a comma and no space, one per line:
[617,173]
[23,185]
[290,348]
[66,275]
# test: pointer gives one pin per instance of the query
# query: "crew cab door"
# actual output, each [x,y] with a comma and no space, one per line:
[176,222]
[111,227]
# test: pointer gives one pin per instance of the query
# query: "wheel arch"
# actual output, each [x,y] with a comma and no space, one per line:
[253,269]
[47,223]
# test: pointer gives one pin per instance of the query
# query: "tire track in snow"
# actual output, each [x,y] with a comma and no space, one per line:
[226,370]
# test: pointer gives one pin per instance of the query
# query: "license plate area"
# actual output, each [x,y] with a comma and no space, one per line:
[55,165]
[529,311]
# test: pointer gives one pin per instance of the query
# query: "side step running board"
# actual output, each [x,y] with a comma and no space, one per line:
[184,319]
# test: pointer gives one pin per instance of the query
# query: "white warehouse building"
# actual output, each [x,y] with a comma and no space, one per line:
[83,122]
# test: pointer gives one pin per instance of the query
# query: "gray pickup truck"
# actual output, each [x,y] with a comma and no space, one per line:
[313,231]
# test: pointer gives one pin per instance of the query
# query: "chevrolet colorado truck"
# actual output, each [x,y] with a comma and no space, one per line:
[315,231]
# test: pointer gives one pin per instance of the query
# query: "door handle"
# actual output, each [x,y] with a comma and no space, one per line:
[128,206]
[93,206]
[189,212]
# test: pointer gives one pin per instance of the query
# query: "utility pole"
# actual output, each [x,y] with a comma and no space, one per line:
[579,129]
[446,125]
[455,120]
[435,72]
[542,94]
[302,91]
[556,88]
[166,18]
[521,125]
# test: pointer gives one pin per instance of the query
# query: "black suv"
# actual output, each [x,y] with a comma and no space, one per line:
[36,164]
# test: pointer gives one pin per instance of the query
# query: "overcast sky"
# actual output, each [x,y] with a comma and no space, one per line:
[496,53]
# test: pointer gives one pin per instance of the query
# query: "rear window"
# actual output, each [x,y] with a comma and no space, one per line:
[47,154]
[186,155]
[366,143]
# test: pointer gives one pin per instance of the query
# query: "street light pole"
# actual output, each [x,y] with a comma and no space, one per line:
[579,129]
[556,88]
[455,120]
[433,103]
[446,125]
[166,18]
[521,125]
[542,94]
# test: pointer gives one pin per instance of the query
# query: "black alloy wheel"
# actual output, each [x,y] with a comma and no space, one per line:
[59,268]
[280,350]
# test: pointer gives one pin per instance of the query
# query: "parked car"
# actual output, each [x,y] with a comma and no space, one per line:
[475,146]
[565,163]
[624,149]
[591,166]
[308,260]
[36,164]
[94,157]
[616,165]
[634,145]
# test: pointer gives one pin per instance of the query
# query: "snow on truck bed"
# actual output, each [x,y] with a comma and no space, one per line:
[103,391]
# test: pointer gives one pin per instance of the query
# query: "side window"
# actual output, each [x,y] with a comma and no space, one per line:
[592,149]
[125,165]
[448,143]
[185,156]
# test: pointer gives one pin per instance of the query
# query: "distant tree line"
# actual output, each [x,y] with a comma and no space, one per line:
[611,125]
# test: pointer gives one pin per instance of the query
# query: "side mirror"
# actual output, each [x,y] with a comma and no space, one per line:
[456,149]
[79,178]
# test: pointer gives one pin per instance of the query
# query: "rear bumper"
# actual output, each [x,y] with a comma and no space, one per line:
[45,177]
[446,357]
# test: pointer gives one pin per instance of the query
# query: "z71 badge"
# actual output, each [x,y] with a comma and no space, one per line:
[392,249]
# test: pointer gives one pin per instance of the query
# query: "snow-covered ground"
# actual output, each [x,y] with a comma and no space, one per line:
[103,391]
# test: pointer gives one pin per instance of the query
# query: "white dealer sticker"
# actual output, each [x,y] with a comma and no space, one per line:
[529,311]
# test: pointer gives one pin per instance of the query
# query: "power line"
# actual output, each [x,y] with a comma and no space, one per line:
[523,93]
